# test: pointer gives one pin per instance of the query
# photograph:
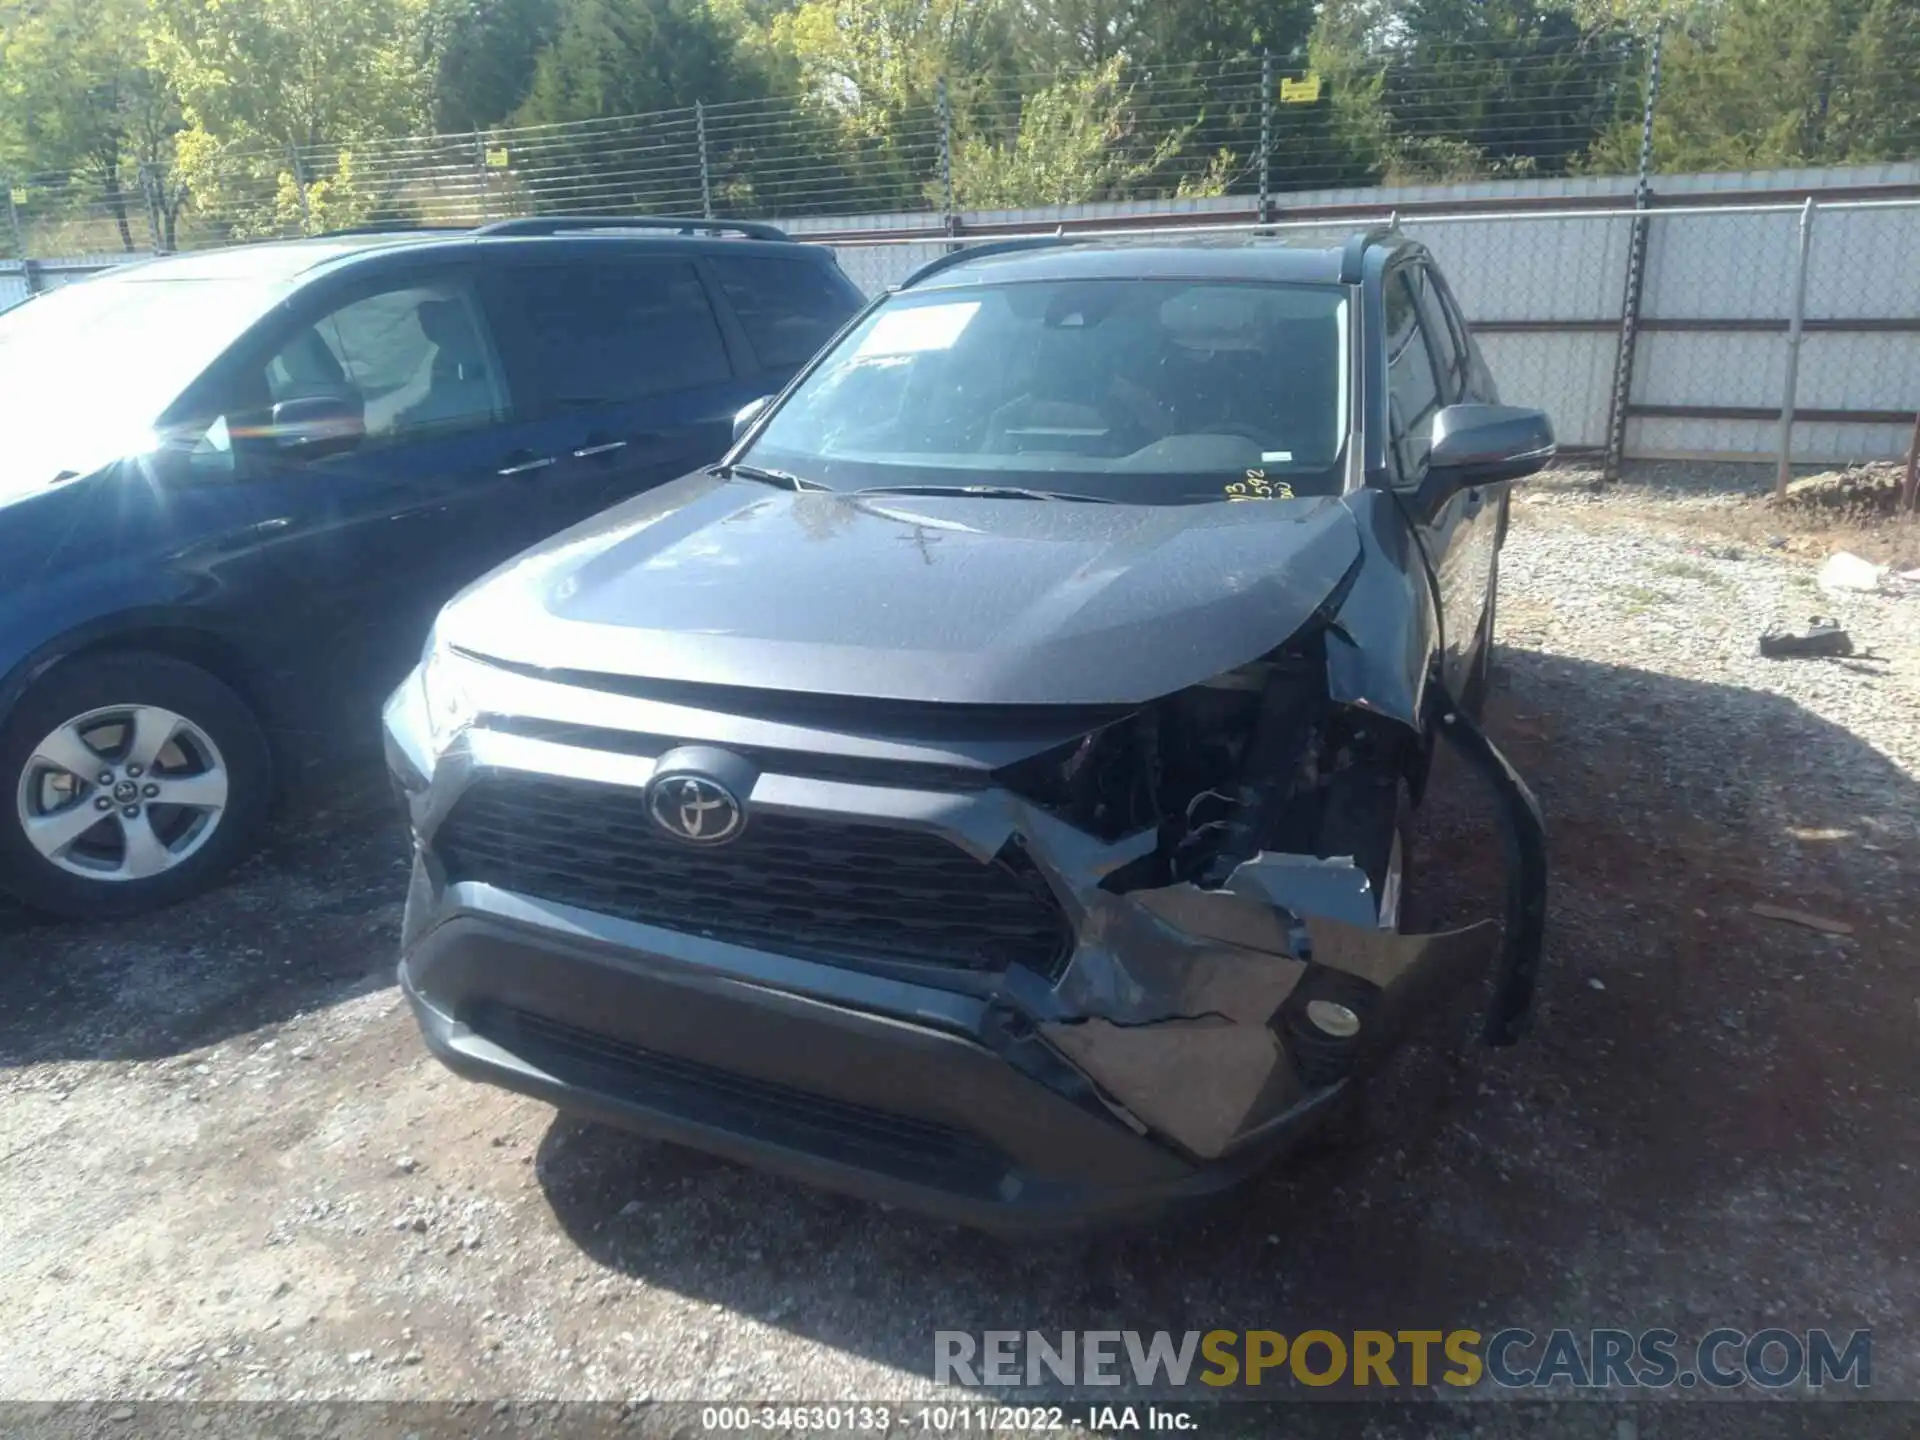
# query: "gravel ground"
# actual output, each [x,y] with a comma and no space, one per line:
[228,1171]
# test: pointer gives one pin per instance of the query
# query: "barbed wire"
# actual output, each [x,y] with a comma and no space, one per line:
[1186,130]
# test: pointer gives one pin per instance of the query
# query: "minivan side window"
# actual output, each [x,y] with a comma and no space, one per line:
[789,308]
[580,334]
[1413,391]
[409,361]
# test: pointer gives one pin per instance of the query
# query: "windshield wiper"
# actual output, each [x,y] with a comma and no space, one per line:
[782,478]
[990,492]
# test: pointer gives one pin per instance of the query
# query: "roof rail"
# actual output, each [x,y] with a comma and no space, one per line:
[975,252]
[1353,255]
[390,227]
[687,225]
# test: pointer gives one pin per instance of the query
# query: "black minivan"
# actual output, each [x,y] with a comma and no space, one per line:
[236,485]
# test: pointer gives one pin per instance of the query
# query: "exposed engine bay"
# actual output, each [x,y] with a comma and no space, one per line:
[1261,928]
[1256,759]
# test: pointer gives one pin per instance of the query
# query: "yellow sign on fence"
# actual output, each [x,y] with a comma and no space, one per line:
[496,157]
[18,194]
[1303,91]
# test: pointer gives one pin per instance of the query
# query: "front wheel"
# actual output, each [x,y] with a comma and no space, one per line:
[136,780]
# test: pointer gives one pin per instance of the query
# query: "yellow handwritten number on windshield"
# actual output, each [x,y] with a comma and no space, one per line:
[1258,487]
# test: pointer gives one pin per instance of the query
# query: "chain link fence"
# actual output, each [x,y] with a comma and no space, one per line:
[1250,126]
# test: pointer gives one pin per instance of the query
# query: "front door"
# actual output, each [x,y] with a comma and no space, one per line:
[1424,374]
[325,556]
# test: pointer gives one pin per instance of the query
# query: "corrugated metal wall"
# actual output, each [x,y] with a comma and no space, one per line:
[1546,296]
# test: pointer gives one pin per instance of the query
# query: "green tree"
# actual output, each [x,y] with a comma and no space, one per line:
[635,57]
[485,53]
[1763,83]
[1430,90]
[78,97]
[1077,140]
[278,92]
[869,73]
[1159,36]
[878,62]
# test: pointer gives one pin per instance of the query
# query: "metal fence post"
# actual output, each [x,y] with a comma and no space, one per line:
[150,192]
[947,221]
[300,189]
[486,179]
[706,165]
[28,274]
[1636,275]
[1266,132]
[1796,322]
[16,242]
[1910,485]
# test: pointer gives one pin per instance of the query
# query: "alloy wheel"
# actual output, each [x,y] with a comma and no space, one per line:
[122,793]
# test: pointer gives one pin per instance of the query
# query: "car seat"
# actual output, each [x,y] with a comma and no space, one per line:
[458,384]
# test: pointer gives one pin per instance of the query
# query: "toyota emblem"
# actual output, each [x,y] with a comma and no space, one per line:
[696,809]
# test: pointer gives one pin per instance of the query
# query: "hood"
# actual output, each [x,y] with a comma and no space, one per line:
[948,599]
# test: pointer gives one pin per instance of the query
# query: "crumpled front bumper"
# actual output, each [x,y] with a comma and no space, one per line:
[1166,1060]
[905,1097]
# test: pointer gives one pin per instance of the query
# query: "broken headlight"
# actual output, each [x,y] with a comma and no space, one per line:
[1178,763]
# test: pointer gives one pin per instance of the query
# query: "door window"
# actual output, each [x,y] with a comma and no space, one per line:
[789,308]
[1413,390]
[1449,354]
[1475,383]
[386,368]
[413,359]
[584,334]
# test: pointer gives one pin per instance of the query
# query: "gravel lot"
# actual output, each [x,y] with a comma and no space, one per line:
[227,1170]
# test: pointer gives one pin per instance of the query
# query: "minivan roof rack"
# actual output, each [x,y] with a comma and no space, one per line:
[679,225]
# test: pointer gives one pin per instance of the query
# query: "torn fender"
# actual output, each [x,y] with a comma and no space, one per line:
[1193,1054]
[1382,642]
[1523,837]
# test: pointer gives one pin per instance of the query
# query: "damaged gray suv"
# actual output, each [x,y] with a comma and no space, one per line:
[986,790]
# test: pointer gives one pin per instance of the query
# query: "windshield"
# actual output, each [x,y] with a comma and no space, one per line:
[87,369]
[1142,391]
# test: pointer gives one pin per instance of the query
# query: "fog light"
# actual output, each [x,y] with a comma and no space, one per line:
[1331,1018]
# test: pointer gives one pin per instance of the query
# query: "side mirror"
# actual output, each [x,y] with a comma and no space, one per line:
[1480,445]
[317,425]
[744,417]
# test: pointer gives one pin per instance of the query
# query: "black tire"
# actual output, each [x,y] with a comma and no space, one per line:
[99,682]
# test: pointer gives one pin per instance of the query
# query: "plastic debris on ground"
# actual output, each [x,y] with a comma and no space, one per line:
[1822,637]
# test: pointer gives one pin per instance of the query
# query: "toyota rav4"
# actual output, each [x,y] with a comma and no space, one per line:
[985,790]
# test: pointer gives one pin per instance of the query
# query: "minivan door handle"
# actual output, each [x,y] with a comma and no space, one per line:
[525,462]
[597,446]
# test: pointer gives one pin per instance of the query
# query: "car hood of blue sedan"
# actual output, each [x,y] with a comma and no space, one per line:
[944,599]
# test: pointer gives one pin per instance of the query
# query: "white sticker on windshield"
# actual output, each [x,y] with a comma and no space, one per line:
[919,327]
[1276,457]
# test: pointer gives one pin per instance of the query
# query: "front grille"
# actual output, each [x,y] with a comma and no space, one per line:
[807,765]
[921,1150]
[808,886]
